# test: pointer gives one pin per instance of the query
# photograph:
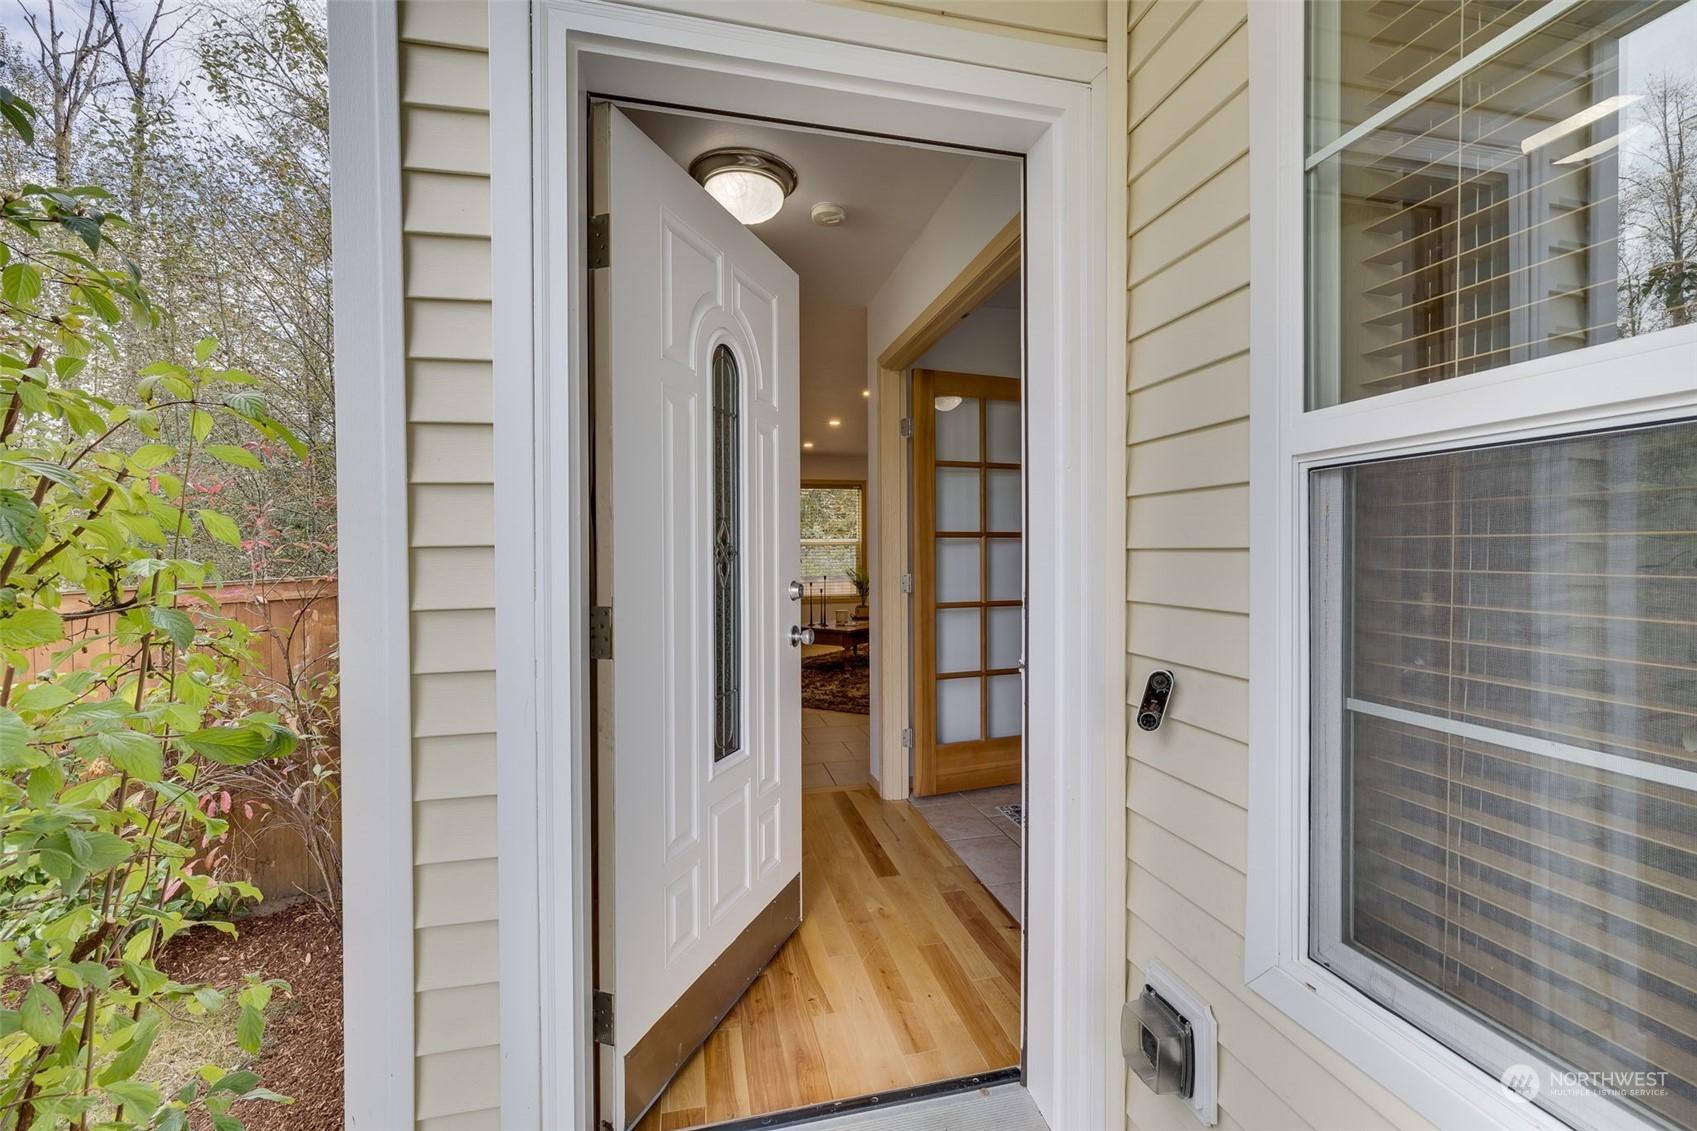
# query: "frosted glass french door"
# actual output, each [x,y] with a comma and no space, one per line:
[969,518]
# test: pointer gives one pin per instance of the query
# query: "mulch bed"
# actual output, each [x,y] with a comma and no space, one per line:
[835,681]
[302,1053]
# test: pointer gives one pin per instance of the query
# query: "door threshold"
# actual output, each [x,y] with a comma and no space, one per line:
[877,1100]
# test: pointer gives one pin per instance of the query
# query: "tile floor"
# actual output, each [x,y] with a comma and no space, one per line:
[988,842]
[835,749]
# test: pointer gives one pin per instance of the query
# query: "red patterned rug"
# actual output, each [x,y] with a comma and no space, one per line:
[832,681]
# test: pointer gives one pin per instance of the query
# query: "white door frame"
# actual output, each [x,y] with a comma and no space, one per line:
[546,58]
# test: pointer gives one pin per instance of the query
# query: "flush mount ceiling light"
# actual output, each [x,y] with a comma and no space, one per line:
[750,184]
[946,404]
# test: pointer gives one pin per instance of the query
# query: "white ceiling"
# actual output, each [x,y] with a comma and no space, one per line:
[890,192]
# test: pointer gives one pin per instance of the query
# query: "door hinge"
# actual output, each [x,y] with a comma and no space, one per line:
[907,739]
[601,632]
[907,427]
[600,241]
[907,583]
[601,1018]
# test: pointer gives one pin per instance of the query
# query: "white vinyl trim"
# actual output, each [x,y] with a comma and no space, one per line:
[1543,747]
[528,658]
[574,47]
[371,475]
[1633,381]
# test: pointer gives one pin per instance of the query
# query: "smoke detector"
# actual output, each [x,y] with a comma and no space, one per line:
[828,215]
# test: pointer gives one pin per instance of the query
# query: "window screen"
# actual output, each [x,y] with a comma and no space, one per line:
[1504,803]
[1494,181]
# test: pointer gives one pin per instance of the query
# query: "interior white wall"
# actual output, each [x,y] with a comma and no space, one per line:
[986,342]
[987,196]
[841,466]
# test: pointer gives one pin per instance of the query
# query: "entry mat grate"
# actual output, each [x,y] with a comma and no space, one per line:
[1014,813]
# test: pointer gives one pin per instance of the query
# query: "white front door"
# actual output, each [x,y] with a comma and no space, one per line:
[696,522]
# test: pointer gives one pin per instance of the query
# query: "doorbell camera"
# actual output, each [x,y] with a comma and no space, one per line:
[1155,695]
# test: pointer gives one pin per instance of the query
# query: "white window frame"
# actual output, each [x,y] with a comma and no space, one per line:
[1632,381]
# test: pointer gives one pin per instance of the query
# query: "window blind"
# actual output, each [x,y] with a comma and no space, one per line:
[1493,182]
[1505,737]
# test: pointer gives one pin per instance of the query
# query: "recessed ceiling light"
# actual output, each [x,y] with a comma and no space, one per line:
[807,443]
[834,423]
[750,183]
[866,392]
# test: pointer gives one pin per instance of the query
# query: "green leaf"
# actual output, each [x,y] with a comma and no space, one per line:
[9,1022]
[88,231]
[149,456]
[174,623]
[172,1120]
[103,305]
[43,697]
[93,973]
[41,1017]
[18,120]
[138,755]
[246,403]
[46,469]
[200,421]
[31,628]
[229,746]
[240,1083]
[235,455]
[226,1122]
[141,1099]
[43,785]
[220,527]
[14,740]
[204,349]
[250,1028]
[21,523]
[20,284]
[128,1062]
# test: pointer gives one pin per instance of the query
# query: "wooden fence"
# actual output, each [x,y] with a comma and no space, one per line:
[295,623]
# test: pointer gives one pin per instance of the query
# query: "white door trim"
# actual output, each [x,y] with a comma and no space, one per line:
[544,62]
[371,471]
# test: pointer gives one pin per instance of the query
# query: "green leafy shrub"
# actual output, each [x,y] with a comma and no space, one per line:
[105,738]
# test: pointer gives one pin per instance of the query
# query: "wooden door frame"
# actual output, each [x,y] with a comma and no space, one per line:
[993,757]
[1063,109]
[988,272]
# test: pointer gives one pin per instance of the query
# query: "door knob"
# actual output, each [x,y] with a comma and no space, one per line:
[800,636]
[796,591]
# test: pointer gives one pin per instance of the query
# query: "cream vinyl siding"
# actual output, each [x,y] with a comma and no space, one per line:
[1188,194]
[1061,19]
[445,188]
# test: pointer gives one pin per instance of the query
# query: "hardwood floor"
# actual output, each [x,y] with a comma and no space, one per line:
[905,970]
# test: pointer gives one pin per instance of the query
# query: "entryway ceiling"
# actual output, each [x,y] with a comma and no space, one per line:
[890,192]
